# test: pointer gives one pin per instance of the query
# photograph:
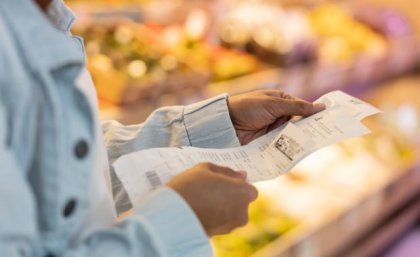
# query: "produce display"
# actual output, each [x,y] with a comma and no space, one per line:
[136,58]
[327,32]
[265,226]
[133,62]
[341,37]
[275,35]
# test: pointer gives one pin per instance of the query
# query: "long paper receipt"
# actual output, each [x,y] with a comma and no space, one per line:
[265,158]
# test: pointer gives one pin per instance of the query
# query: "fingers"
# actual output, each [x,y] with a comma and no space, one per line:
[219,196]
[243,174]
[318,107]
[292,106]
[248,189]
[252,192]
[247,194]
[278,93]
[226,171]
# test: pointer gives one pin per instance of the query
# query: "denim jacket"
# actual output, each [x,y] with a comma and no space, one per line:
[55,181]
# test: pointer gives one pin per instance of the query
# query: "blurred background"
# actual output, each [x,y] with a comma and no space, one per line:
[358,198]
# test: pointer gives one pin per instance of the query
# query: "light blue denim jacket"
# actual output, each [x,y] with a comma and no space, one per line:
[55,198]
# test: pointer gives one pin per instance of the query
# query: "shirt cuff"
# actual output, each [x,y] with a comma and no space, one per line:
[208,124]
[174,224]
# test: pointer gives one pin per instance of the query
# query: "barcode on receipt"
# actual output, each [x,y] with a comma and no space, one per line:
[153,179]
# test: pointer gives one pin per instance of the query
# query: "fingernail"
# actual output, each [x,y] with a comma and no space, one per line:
[243,174]
[253,193]
[319,107]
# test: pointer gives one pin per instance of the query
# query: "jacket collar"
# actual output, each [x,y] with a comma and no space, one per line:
[44,41]
[60,16]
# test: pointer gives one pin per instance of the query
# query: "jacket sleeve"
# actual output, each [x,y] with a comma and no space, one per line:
[163,225]
[205,124]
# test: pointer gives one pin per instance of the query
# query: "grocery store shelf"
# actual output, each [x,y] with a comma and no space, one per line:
[337,234]
[378,243]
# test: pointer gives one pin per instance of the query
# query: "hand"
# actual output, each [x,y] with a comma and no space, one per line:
[219,196]
[256,113]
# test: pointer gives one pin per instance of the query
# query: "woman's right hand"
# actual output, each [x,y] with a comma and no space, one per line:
[218,195]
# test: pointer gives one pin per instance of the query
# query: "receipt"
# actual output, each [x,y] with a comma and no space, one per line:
[263,159]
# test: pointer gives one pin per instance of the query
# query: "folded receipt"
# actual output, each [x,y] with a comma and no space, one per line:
[265,158]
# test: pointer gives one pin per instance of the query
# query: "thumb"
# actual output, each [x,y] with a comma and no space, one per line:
[298,107]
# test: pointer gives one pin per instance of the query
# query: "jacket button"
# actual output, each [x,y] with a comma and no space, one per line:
[81,149]
[69,208]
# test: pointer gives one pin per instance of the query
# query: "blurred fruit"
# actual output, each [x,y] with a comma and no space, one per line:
[265,225]
[342,37]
